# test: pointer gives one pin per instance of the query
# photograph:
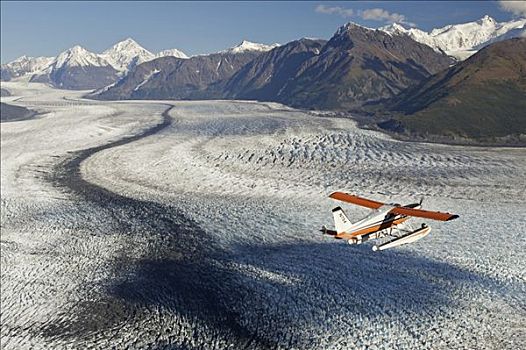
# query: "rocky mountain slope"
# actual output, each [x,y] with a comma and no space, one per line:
[482,98]
[462,40]
[358,66]
[267,76]
[175,78]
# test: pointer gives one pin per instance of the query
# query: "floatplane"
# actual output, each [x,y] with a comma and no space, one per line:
[386,220]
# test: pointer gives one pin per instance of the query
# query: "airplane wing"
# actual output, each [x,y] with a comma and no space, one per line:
[434,215]
[349,198]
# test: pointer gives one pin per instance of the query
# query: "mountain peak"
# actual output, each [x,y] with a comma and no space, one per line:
[350,26]
[127,53]
[76,49]
[487,19]
[246,45]
[129,40]
[172,52]
[21,59]
[394,28]
[25,64]
[126,44]
[78,56]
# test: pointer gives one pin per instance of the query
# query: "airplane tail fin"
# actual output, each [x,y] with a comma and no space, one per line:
[341,221]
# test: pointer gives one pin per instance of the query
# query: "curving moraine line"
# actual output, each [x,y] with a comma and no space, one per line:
[178,271]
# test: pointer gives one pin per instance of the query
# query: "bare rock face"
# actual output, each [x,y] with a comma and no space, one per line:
[359,66]
[270,73]
[83,78]
[177,78]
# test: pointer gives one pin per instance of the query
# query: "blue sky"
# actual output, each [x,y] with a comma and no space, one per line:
[47,28]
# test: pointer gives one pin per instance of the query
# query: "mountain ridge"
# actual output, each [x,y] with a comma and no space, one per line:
[175,78]
[459,40]
[463,39]
[357,65]
[98,70]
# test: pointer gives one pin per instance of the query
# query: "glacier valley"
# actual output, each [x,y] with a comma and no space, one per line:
[194,224]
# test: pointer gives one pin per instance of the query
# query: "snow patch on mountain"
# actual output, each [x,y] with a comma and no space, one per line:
[462,40]
[146,79]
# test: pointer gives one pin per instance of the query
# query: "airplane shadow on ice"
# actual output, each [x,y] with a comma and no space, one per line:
[250,295]
[262,295]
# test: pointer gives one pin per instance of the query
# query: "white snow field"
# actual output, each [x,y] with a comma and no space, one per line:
[202,231]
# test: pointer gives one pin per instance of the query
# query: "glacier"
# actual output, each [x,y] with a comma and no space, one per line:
[194,224]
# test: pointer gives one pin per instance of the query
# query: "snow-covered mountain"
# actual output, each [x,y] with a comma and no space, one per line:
[77,69]
[107,66]
[121,57]
[247,46]
[78,56]
[24,65]
[462,40]
[126,54]
[171,52]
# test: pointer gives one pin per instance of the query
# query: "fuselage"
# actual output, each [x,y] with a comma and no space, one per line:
[378,220]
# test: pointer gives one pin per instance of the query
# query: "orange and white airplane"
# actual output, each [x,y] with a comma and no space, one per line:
[385,221]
